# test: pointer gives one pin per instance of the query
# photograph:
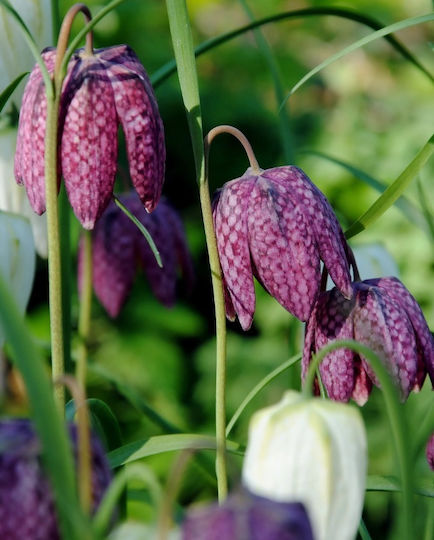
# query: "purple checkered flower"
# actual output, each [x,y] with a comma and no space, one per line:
[245,515]
[118,247]
[276,226]
[26,500]
[382,315]
[99,92]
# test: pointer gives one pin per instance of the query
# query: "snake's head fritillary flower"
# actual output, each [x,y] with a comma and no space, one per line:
[99,92]
[313,451]
[385,317]
[246,515]
[118,247]
[26,498]
[277,225]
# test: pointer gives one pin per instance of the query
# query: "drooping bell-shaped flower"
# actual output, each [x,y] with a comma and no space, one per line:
[313,451]
[385,317]
[17,259]
[99,92]
[245,516]
[118,247]
[276,225]
[26,499]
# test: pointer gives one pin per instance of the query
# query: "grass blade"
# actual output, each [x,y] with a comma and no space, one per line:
[394,191]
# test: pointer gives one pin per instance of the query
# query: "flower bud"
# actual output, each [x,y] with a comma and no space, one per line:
[312,451]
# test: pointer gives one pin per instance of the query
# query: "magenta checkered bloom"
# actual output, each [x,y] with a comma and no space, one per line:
[277,226]
[26,499]
[99,92]
[382,315]
[429,452]
[245,515]
[118,247]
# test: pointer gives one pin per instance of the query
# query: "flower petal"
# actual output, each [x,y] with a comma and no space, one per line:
[230,222]
[282,248]
[89,142]
[382,325]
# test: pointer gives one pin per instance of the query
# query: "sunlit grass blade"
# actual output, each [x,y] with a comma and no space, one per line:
[393,192]
[413,21]
[56,451]
[279,92]
[410,211]
[170,67]
[142,229]
[164,443]
[256,389]
[7,92]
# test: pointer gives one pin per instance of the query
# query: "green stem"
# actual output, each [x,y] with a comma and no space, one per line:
[54,261]
[394,411]
[84,316]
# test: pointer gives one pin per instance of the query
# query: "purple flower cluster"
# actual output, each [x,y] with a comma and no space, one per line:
[275,225]
[26,500]
[99,92]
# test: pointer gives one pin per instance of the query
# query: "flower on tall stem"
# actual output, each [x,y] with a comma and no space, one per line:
[118,247]
[385,317]
[276,225]
[102,88]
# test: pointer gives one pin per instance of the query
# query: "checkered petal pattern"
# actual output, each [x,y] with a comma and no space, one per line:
[99,92]
[26,500]
[276,226]
[383,316]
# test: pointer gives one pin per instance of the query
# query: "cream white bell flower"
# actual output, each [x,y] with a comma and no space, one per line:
[13,197]
[313,451]
[15,57]
[17,258]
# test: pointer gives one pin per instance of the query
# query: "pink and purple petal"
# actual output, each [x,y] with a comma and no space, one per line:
[230,222]
[89,146]
[282,247]
[379,323]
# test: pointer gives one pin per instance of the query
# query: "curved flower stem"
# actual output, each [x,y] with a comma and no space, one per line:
[85,307]
[219,301]
[394,411]
[212,134]
[220,315]
[84,481]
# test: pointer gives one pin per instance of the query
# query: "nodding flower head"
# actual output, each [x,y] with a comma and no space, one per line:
[385,317]
[99,92]
[26,498]
[118,247]
[276,225]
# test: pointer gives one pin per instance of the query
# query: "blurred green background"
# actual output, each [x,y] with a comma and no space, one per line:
[372,109]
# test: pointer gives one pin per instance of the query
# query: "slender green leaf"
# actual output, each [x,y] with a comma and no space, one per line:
[142,229]
[7,92]
[56,455]
[360,43]
[424,487]
[168,69]
[187,74]
[164,443]
[261,384]
[393,192]
[363,531]
[410,211]
[425,208]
